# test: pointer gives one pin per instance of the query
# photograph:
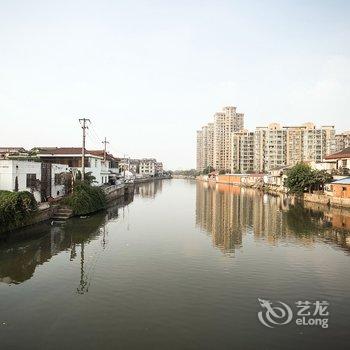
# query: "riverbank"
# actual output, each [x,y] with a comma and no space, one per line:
[257,182]
[47,211]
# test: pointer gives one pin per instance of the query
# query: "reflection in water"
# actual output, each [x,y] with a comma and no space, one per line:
[159,281]
[149,189]
[227,212]
[20,257]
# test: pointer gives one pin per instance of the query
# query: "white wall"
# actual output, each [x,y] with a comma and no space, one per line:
[57,190]
[98,169]
[9,169]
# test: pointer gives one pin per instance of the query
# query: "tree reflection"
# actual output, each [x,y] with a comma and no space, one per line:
[20,255]
[228,212]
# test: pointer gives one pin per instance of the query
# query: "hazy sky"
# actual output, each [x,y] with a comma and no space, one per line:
[149,73]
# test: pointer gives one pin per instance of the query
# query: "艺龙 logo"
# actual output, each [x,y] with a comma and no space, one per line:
[274,315]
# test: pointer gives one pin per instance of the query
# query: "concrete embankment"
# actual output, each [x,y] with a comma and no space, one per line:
[114,192]
[257,182]
[327,200]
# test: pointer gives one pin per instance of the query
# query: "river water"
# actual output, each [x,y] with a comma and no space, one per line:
[180,265]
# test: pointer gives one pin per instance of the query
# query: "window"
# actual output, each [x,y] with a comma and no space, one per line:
[31,180]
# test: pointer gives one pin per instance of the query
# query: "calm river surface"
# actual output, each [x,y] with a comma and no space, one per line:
[181,265]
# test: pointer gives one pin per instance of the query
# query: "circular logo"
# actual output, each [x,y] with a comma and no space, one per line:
[277,314]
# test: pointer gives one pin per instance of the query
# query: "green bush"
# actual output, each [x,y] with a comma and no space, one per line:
[15,207]
[86,199]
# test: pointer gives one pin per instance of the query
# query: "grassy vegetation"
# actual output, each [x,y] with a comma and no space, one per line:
[86,199]
[15,208]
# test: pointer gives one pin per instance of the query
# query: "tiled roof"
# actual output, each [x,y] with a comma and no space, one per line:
[71,151]
[345,153]
[60,150]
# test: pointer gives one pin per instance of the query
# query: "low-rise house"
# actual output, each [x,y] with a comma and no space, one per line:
[341,159]
[6,152]
[340,188]
[127,164]
[159,168]
[147,166]
[276,177]
[72,157]
[43,180]
[328,166]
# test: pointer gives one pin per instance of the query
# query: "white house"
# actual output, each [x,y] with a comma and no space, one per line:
[101,169]
[35,177]
[147,166]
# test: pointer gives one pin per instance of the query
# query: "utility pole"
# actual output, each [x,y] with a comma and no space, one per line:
[83,122]
[105,146]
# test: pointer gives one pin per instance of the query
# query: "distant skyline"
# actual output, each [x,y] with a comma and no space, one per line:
[150,73]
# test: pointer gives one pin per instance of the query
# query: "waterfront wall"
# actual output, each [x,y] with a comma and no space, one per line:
[114,192]
[324,199]
[257,181]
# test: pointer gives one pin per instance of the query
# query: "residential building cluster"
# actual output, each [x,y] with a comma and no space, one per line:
[224,145]
[42,170]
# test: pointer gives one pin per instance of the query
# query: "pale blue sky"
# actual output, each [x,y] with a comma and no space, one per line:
[149,73]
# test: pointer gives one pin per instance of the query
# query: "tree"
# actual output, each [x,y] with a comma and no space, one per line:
[320,178]
[88,178]
[301,178]
[208,170]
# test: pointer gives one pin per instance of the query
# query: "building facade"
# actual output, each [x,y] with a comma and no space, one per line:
[225,123]
[147,166]
[72,157]
[199,155]
[277,146]
[226,146]
[242,152]
[342,141]
[42,180]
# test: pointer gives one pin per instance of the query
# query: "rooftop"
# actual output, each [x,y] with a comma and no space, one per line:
[345,153]
[52,151]
[345,181]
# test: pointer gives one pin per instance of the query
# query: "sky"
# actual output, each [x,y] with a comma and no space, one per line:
[148,74]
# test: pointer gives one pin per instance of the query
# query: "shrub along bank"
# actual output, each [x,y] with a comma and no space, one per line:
[86,199]
[15,209]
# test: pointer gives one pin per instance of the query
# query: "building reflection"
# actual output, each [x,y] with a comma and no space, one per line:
[149,189]
[229,212]
[20,256]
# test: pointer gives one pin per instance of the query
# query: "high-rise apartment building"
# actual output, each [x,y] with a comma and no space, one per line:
[317,143]
[276,146]
[242,152]
[259,149]
[225,123]
[199,157]
[207,145]
[270,147]
[342,141]
[225,145]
